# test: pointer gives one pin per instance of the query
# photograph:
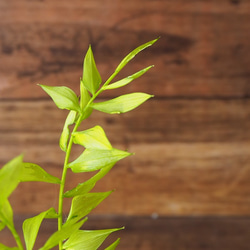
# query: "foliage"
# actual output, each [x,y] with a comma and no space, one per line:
[98,155]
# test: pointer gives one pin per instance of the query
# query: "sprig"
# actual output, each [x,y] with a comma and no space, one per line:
[98,155]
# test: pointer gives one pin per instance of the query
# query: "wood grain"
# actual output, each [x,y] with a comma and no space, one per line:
[187,187]
[145,233]
[203,48]
[177,169]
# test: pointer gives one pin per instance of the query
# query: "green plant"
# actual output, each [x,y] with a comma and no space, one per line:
[98,155]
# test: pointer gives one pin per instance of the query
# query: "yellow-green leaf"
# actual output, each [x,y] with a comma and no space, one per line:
[88,239]
[92,138]
[91,77]
[127,80]
[83,204]
[66,132]
[94,159]
[86,186]
[122,103]
[132,54]
[32,225]
[63,97]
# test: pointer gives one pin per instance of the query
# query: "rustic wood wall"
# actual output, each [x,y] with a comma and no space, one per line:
[192,141]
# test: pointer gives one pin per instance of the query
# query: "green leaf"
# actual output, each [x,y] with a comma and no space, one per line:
[33,172]
[87,239]
[132,54]
[92,138]
[9,177]
[64,97]
[122,103]
[63,234]
[84,100]
[94,159]
[6,215]
[31,227]
[66,132]
[91,77]
[86,186]
[113,245]
[128,79]
[84,204]
[3,247]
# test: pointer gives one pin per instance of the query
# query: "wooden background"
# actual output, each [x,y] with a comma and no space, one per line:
[187,187]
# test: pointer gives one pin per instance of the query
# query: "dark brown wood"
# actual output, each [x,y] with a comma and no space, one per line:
[204,46]
[145,233]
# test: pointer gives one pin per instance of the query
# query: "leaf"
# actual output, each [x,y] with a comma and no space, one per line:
[6,215]
[132,54]
[66,132]
[122,103]
[94,159]
[63,234]
[64,97]
[113,245]
[3,247]
[9,177]
[91,77]
[83,204]
[87,239]
[84,100]
[127,80]
[31,227]
[94,138]
[33,172]
[86,186]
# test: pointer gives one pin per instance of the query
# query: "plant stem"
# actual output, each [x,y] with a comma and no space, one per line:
[68,151]
[63,180]
[16,236]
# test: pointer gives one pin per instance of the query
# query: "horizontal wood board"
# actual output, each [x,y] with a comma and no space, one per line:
[145,233]
[204,46]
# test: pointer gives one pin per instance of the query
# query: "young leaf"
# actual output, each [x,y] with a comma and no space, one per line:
[84,204]
[64,97]
[63,234]
[122,103]
[132,54]
[113,245]
[65,133]
[86,186]
[84,99]
[91,77]
[127,80]
[32,225]
[94,159]
[92,138]
[9,177]
[33,172]
[91,239]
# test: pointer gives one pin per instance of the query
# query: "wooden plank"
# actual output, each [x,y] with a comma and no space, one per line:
[203,47]
[172,120]
[164,179]
[144,233]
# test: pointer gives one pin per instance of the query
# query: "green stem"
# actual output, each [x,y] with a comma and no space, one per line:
[68,151]
[16,236]
[63,179]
